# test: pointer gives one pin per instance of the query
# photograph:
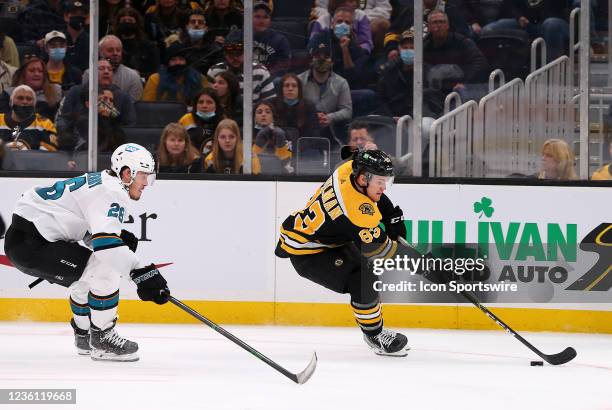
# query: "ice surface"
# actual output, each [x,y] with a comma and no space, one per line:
[192,367]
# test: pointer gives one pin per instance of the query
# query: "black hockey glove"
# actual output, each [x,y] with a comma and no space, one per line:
[394,224]
[129,239]
[151,284]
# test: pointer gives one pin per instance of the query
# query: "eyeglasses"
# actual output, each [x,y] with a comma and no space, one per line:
[234,48]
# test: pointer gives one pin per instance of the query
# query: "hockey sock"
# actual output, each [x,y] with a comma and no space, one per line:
[80,313]
[103,309]
[368,317]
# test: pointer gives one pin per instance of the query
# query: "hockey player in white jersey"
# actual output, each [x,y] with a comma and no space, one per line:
[42,241]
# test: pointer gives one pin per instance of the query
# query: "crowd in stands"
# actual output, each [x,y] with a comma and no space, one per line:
[344,60]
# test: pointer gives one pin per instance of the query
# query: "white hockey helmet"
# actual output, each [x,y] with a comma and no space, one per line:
[135,157]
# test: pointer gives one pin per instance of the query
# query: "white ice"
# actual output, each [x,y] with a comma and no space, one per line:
[192,367]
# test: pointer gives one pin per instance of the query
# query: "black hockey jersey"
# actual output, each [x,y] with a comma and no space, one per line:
[335,215]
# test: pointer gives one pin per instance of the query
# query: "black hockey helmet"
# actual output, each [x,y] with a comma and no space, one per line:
[373,162]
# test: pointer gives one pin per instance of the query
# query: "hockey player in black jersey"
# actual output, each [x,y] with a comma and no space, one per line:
[323,240]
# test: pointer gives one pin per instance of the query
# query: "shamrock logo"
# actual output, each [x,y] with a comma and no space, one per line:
[484,207]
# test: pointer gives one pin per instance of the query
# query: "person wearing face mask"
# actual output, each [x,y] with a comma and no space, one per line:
[139,53]
[292,110]
[125,78]
[328,91]
[269,137]
[22,128]
[202,121]
[395,83]
[59,72]
[202,52]
[110,132]
[76,16]
[176,81]
[360,23]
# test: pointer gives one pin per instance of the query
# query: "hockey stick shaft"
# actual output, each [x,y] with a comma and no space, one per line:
[554,359]
[299,378]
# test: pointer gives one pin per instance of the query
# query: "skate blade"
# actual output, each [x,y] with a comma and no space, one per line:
[110,357]
[82,352]
[399,353]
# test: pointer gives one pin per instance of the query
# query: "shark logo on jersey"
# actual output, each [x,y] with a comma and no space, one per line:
[131,148]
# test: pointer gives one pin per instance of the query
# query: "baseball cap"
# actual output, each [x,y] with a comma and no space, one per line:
[263,4]
[54,34]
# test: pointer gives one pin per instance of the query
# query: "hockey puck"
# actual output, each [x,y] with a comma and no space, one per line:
[537,363]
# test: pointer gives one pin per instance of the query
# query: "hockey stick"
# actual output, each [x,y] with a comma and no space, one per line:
[299,378]
[554,359]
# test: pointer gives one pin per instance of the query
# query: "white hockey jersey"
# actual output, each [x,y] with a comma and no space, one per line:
[67,210]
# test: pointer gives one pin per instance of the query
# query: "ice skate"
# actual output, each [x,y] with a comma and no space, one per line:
[108,345]
[81,339]
[388,343]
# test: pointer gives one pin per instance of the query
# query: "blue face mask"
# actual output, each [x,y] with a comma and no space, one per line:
[206,115]
[291,101]
[196,34]
[57,54]
[341,30]
[407,56]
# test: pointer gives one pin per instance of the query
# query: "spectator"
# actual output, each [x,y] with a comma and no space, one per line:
[480,13]
[557,161]
[6,76]
[226,156]
[454,59]
[328,91]
[176,81]
[108,10]
[604,173]
[22,128]
[138,52]
[359,136]
[405,21]
[33,73]
[125,78]
[175,153]
[270,138]
[202,121]
[227,88]
[360,23]
[163,20]
[76,16]
[270,48]
[202,52]
[263,88]
[72,105]
[395,85]
[110,133]
[377,11]
[8,49]
[39,18]
[542,18]
[292,110]
[349,59]
[223,17]
[59,72]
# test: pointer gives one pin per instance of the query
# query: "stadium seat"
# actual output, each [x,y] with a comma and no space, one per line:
[508,50]
[148,137]
[313,156]
[297,9]
[296,32]
[158,113]
[36,160]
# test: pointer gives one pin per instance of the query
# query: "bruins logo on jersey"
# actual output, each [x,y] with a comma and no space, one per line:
[366,209]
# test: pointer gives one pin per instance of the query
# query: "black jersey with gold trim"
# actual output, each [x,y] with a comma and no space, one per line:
[38,133]
[335,215]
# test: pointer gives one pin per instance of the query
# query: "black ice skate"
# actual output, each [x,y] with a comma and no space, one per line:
[388,343]
[108,345]
[81,339]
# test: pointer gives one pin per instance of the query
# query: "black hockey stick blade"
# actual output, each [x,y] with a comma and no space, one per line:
[299,378]
[560,358]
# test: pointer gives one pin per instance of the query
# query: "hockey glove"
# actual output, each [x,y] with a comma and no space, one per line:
[394,224]
[151,284]
[129,239]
